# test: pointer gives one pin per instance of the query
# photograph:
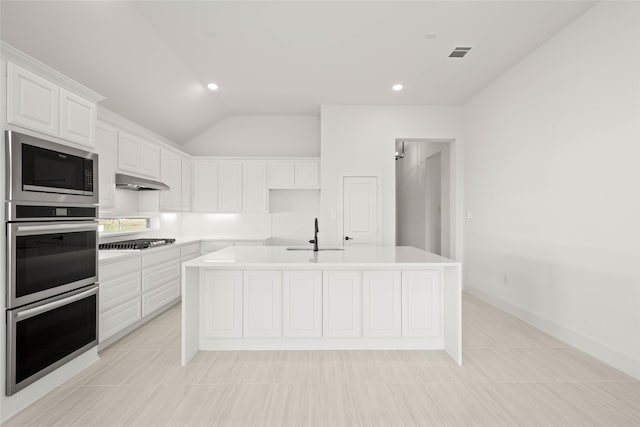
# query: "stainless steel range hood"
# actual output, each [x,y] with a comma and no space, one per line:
[134,183]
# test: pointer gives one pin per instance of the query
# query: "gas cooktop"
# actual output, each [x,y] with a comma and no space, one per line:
[136,244]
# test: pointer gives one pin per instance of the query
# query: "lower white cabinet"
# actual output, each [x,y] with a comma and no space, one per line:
[381,291]
[221,304]
[341,291]
[119,296]
[262,304]
[160,279]
[302,304]
[189,252]
[422,303]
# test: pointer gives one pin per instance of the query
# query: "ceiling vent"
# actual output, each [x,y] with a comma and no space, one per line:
[459,52]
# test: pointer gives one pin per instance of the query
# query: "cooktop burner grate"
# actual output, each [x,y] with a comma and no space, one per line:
[136,244]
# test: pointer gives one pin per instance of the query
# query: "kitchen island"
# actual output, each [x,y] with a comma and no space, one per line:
[356,298]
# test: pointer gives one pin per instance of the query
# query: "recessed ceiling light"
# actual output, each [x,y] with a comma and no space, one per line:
[397,87]
[430,36]
[213,86]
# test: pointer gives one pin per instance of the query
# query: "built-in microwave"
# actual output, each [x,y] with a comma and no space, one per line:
[40,171]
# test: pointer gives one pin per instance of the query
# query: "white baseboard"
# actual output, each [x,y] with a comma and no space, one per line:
[600,351]
[210,344]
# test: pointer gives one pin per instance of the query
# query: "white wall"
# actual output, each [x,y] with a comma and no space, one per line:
[552,177]
[360,140]
[278,136]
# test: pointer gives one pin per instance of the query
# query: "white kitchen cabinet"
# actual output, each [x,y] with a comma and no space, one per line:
[230,186]
[160,279]
[221,304]
[185,200]
[77,118]
[262,299]
[281,174]
[205,186]
[341,291]
[32,101]
[119,296]
[307,174]
[254,186]
[171,174]
[381,303]
[302,304]
[107,146]
[137,156]
[422,303]
[294,174]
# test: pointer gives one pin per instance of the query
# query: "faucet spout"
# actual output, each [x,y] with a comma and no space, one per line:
[315,237]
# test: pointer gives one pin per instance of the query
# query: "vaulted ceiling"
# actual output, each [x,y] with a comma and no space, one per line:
[152,59]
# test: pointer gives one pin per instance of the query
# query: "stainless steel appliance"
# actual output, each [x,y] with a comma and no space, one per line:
[47,334]
[136,244]
[44,171]
[52,257]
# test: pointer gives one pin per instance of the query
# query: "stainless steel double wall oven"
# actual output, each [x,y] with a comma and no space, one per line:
[51,286]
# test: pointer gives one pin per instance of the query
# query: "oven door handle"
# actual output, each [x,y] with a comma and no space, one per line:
[56,227]
[22,315]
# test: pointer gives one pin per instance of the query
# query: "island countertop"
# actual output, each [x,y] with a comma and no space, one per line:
[280,256]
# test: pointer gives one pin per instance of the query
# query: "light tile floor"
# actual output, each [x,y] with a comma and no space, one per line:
[513,375]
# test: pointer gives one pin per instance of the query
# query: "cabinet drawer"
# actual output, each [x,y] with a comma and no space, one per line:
[156,277]
[116,319]
[157,298]
[166,256]
[118,290]
[121,268]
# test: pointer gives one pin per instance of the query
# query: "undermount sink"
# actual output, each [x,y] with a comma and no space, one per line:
[311,249]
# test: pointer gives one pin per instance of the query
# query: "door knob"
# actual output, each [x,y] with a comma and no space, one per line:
[348,238]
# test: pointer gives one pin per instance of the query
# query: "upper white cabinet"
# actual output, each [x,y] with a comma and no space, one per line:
[34,102]
[77,118]
[106,146]
[171,174]
[137,156]
[294,174]
[205,185]
[254,192]
[186,185]
[229,186]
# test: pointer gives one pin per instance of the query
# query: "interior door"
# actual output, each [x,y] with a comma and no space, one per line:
[360,215]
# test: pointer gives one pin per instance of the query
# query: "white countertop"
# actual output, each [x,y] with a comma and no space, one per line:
[279,256]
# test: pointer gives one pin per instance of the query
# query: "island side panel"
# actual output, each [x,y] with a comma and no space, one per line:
[453,312]
[190,313]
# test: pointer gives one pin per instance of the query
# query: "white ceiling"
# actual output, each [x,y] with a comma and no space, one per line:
[151,58]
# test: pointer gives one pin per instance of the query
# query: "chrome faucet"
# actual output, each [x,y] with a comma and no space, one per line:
[315,238]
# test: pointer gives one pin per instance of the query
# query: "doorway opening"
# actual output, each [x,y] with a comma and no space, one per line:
[424,195]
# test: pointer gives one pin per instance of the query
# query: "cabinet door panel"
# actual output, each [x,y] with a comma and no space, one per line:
[381,303]
[161,296]
[32,101]
[171,174]
[118,318]
[150,160]
[205,186]
[221,304]
[254,183]
[302,304]
[307,173]
[77,118]
[186,185]
[422,303]
[107,148]
[341,303]
[281,174]
[230,186]
[128,153]
[262,303]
